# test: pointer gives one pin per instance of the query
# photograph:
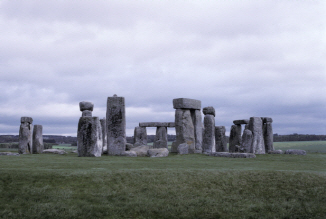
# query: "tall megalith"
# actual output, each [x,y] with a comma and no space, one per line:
[116,125]
[104,138]
[209,129]
[161,138]
[140,136]
[25,145]
[235,138]
[268,134]
[256,127]
[38,145]
[220,139]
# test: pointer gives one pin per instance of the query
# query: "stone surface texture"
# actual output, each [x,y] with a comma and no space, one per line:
[89,137]
[246,142]
[158,152]
[276,152]
[157,124]
[295,152]
[256,127]
[267,119]
[84,105]
[209,110]
[183,149]
[235,138]
[141,151]
[87,113]
[161,138]
[25,145]
[174,147]
[220,139]
[104,134]
[54,151]
[240,122]
[184,128]
[140,136]
[209,134]
[116,125]
[38,145]
[186,103]
[129,154]
[268,136]
[232,155]
[9,154]
[199,127]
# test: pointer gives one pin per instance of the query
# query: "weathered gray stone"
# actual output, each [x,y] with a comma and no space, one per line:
[268,136]
[232,155]
[86,106]
[25,145]
[38,145]
[87,113]
[140,136]
[258,144]
[129,154]
[220,139]
[218,154]
[276,152]
[116,125]
[235,138]
[174,147]
[9,154]
[161,138]
[209,134]
[54,151]
[157,124]
[295,152]
[104,138]
[209,110]
[141,151]
[246,142]
[267,119]
[184,128]
[183,149]
[129,146]
[240,122]
[89,137]
[186,103]
[158,152]
[198,126]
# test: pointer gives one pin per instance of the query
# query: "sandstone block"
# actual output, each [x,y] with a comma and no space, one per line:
[232,155]
[268,136]
[240,122]
[86,106]
[25,145]
[209,134]
[198,129]
[161,138]
[157,124]
[276,152]
[9,154]
[129,146]
[209,110]
[129,154]
[38,145]
[174,147]
[184,128]
[246,142]
[267,119]
[104,138]
[26,119]
[140,136]
[86,113]
[183,149]
[258,144]
[141,151]
[295,152]
[235,138]
[158,152]
[220,139]
[186,103]
[54,151]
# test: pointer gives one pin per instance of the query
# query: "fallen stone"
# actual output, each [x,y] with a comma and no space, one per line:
[140,136]
[9,154]
[158,152]
[87,113]
[218,154]
[157,124]
[141,151]
[232,155]
[183,149]
[86,106]
[276,152]
[240,122]
[220,139]
[185,103]
[209,110]
[129,154]
[129,146]
[38,145]
[295,152]
[209,134]
[54,151]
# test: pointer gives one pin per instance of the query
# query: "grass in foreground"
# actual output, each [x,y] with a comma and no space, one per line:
[190,186]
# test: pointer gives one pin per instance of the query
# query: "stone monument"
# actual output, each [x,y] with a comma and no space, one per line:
[25,145]
[104,138]
[220,139]
[38,145]
[268,134]
[209,130]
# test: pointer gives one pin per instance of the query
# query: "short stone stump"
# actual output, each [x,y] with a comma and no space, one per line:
[158,152]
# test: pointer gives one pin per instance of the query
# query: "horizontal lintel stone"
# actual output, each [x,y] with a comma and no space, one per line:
[186,103]
[241,121]
[156,124]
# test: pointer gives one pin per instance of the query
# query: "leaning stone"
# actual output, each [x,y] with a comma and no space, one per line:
[183,148]
[157,124]
[240,122]
[235,138]
[25,145]
[258,144]
[220,139]
[104,138]
[186,103]
[9,154]
[86,106]
[89,137]
[141,151]
[184,128]
[158,152]
[38,145]
[276,152]
[116,125]
[140,136]
[161,138]
[26,119]
[296,152]
[209,134]
[54,151]
[129,154]
[87,113]
[198,126]
[209,110]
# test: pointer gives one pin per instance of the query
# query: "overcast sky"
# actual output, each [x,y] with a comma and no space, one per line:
[245,58]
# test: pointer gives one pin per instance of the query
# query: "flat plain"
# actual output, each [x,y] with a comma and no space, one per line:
[188,186]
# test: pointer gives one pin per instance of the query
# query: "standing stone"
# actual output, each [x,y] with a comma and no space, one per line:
[198,126]
[184,128]
[25,145]
[220,139]
[38,145]
[183,149]
[104,138]
[161,138]
[89,137]
[140,136]
[86,108]
[268,134]
[116,125]
[235,138]
[246,143]
[256,126]
[209,130]
[174,147]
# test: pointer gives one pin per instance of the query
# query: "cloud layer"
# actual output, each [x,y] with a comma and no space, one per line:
[245,58]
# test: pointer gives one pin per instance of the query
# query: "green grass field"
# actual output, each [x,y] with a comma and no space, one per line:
[188,186]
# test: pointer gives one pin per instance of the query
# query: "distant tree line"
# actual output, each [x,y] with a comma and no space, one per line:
[298,137]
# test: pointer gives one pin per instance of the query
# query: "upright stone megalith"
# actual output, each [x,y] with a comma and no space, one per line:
[256,127]
[209,130]
[86,108]
[268,134]
[38,145]
[235,138]
[220,139]
[116,125]
[246,143]
[104,138]
[89,137]
[161,138]
[25,145]
[140,136]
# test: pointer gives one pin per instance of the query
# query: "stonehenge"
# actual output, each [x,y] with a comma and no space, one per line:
[104,134]
[140,136]
[209,130]
[86,108]
[220,139]
[38,145]
[268,133]
[25,145]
